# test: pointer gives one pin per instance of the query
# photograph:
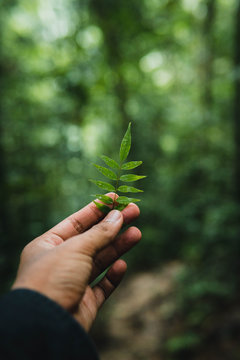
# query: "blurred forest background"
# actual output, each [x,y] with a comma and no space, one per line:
[72,75]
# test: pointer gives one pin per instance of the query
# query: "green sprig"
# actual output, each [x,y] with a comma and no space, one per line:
[119,203]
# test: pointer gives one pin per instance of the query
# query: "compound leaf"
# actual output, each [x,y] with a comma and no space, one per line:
[110,162]
[103,185]
[125,144]
[131,177]
[106,172]
[104,208]
[126,189]
[121,202]
[131,165]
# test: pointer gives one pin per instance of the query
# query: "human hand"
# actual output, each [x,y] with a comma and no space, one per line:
[63,262]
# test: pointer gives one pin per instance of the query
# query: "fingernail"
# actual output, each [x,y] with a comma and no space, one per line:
[113,216]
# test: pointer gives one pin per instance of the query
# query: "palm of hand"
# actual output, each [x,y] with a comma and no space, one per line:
[63,262]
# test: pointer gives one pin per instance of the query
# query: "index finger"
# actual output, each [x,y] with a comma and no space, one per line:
[88,216]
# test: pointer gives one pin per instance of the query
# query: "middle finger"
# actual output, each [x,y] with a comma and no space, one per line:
[123,243]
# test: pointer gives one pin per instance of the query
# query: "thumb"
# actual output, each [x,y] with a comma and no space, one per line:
[99,235]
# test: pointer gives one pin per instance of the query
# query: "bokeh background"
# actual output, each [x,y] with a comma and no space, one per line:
[72,75]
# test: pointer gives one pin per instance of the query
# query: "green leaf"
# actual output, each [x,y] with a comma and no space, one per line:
[103,185]
[131,165]
[106,172]
[126,189]
[104,208]
[126,144]
[131,177]
[110,162]
[120,207]
[104,198]
[126,200]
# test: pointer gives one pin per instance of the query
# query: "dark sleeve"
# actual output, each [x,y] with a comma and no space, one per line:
[34,327]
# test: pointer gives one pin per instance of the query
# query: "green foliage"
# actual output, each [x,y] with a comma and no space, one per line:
[131,177]
[126,189]
[125,200]
[104,198]
[131,165]
[121,202]
[103,185]
[102,207]
[125,145]
[106,172]
[110,162]
[183,342]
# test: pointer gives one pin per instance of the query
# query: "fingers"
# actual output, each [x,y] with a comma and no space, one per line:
[83,219]
[74,225]
[94,298]
[109,283]
[79,222]
[130,213]
[116,249]
[99,236]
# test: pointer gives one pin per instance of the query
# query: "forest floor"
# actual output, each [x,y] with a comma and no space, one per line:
[140,317]
[134,322]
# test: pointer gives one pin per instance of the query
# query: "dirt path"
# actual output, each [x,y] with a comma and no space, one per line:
[134,322]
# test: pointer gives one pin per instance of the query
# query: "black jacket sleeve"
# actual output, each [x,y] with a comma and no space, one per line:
[34,327]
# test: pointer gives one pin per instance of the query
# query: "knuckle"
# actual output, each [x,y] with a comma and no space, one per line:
[76,224]
[26,251]
[106,229]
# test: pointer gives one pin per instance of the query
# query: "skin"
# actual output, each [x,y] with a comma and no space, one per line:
[62,263]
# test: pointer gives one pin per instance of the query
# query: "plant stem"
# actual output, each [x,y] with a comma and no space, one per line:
[117,182]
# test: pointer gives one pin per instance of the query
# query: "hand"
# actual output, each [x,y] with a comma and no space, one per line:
[63,262]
